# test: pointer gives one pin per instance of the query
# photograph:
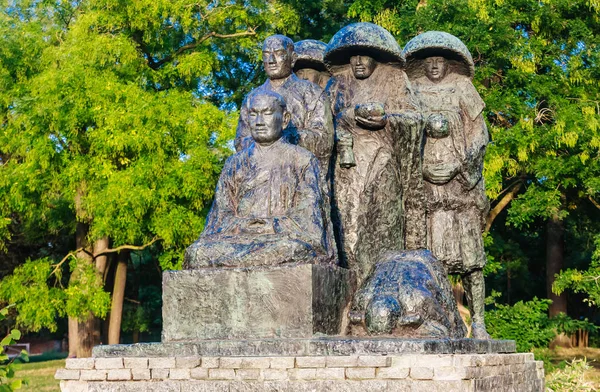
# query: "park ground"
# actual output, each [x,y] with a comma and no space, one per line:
[40,374]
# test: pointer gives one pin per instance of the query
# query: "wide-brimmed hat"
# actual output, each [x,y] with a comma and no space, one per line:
[310,54]
[362,39]
[439,43]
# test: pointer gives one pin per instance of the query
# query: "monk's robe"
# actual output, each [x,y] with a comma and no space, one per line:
[268,210]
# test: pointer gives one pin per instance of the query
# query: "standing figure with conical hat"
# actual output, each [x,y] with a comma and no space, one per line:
[309,62]
[377,181]
[441,69]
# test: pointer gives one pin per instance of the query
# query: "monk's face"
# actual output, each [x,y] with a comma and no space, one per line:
[267,119]
[312,75]
[436,68]
[362,66]
[278,57]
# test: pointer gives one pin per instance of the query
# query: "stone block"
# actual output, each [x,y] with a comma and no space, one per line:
[138,386]
[374,361]
[393,373]
[331,373]
[247,374]
[282,362]
[209,362]
[447,386]
[341,361]
[161,363]
[66,374]
[221,374]
[179,374]
[360,373]
[73,386]
[303,374]
[160,374]
[93,375]
[433,361]
[421,373]
[231,363]
[80,363]
[109,363]
[310,362]
[275,374]
[135,363]
[404,361]
[256,363]
[293,301]
[119,375]
[140,374]
[199,373]
[187,362]
[449,373]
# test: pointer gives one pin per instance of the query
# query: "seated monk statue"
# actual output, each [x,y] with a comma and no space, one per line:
[268,207]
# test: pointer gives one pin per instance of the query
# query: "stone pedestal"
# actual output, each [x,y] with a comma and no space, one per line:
[331,373]
[295,301]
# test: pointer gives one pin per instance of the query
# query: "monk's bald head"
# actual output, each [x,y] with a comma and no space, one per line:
[278,56]
[267,116]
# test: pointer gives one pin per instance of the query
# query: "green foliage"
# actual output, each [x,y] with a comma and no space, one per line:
[105,127]
[586,281]
[8,380]
[525,322]
[571,378]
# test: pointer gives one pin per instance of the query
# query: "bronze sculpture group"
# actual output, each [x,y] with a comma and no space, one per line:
[380,172]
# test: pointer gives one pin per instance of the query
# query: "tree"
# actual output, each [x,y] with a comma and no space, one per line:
[109,141]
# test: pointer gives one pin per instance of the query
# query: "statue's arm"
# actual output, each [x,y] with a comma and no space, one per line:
[221,218]
[317,134]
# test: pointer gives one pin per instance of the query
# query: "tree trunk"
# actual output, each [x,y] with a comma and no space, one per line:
[81,231]
[116,310]
[555,248]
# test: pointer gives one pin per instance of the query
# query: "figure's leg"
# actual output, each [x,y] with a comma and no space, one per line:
[475,292]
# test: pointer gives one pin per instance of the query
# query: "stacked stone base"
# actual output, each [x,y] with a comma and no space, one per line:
[361,373]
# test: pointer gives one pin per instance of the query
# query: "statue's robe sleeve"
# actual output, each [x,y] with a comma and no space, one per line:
[409,130]
[221,218]
[475,134]
[243,138]
[317,133]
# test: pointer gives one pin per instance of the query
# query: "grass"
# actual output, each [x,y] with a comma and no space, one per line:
[40,375]
[591,354]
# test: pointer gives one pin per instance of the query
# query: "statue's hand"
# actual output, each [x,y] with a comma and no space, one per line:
[370,115]
[437,126]
[441,173]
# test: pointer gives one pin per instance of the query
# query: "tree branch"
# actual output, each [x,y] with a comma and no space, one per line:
[126,247]
[157,64]
[594,202]
[102,253]
[508,197]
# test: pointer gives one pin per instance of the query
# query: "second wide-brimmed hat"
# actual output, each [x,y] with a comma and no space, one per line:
[362,39]
[439,43]
[310,54]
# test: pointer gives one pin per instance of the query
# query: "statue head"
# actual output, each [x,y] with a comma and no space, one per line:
[278,56]
[309,61]
[362,66]
[267,116]
[436,68]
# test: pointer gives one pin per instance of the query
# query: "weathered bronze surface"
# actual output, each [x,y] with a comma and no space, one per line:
[440,68]
[378,200]
[290,301]
[309,62]
[311,124]
[407,295]
[268,206]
